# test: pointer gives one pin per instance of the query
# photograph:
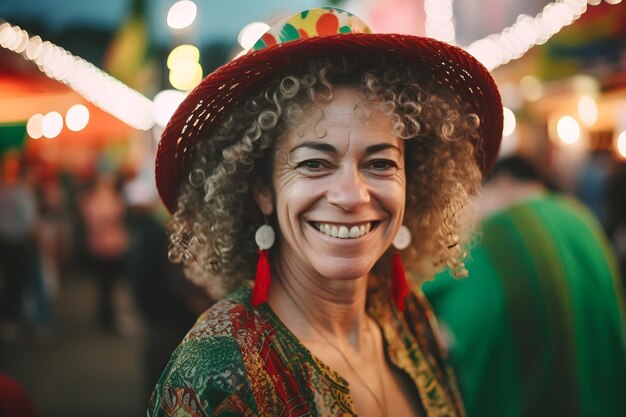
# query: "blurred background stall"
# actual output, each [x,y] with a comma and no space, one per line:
[87,87]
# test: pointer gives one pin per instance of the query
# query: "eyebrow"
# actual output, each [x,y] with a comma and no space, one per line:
[319,146]
[328,148]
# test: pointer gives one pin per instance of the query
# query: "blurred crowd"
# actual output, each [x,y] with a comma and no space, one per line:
[108,227]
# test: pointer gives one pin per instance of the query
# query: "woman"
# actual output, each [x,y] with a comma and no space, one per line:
[319,153]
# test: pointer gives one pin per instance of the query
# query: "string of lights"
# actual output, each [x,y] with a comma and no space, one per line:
[139,112]
[95,85]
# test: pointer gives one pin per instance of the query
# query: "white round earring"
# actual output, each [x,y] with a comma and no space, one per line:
[402,239]
[265,237]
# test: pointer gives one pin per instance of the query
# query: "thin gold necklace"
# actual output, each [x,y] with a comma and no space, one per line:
[381,404]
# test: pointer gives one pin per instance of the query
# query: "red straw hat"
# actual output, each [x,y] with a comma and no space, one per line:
[321,33]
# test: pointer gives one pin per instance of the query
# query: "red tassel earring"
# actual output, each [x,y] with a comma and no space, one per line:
[264,238]
[399,288]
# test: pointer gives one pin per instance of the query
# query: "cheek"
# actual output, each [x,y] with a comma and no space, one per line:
[292,198]
[393,199]
[396,197]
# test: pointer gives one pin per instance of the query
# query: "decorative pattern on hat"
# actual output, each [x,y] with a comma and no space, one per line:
[324,21]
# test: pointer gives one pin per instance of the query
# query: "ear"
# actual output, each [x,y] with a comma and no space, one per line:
[264,198]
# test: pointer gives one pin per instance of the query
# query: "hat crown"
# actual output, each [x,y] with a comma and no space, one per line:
[322,21]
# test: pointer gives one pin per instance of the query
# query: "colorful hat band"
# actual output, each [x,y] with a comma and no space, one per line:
[324,21]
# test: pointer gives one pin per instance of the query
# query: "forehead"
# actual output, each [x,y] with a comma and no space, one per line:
[347,104]
[348,109]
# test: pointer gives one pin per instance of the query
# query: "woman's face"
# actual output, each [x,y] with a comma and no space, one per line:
[339,188]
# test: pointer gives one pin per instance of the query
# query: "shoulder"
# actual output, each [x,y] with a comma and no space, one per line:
[207,368]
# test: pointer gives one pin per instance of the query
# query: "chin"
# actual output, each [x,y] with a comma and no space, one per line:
[345,269]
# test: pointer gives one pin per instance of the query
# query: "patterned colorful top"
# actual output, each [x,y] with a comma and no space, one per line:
[239,360]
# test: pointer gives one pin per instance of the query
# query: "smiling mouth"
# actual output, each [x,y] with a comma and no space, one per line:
[345,231]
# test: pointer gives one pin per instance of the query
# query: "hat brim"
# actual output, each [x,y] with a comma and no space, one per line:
[445,66]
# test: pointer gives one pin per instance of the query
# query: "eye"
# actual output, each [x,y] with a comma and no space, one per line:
[383,164]
[312,164]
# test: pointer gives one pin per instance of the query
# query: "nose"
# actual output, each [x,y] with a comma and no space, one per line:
[349,189]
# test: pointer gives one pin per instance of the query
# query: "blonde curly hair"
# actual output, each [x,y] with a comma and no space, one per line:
[212,229]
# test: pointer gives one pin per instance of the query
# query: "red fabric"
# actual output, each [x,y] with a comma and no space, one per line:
[399,287]
[262,280]
[14,402]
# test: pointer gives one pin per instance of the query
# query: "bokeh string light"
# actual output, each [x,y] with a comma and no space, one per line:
[514,41]
[137,111]
[51,124]
[440,20]
[95,85]
[77,117]
[33,126]
[182,14]
[568,130]
[587,110]
[185,69]
[621,144]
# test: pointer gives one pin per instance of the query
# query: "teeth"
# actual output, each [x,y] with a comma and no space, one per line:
[344,232]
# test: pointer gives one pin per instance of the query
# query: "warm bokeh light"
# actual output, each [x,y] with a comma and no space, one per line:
[509,122]
[165,103]
[181,53]
[185,75]
[531,88]
[52,124]
[621,144]
[21,41]
[34,47]
[613,1]
[95,85]
[509,145]
[568,130]
[514,41]
[182,14]
[77,117]
[440,20]
[7,35]
[33,126]
[251,33]
[185,70]
[587,110]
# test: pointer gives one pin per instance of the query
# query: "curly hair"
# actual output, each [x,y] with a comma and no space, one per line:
[212,230]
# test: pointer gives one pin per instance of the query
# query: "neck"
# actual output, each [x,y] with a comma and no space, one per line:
[313,304]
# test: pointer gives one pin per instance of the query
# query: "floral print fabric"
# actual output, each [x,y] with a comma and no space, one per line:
[243,361]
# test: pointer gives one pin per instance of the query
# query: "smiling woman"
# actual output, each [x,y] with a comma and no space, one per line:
[323,165]
[344,173]
[386,103]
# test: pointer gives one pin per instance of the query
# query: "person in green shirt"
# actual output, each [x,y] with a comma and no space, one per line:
[538,326]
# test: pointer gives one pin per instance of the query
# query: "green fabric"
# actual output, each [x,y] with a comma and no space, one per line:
[12,136]
[537,328]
